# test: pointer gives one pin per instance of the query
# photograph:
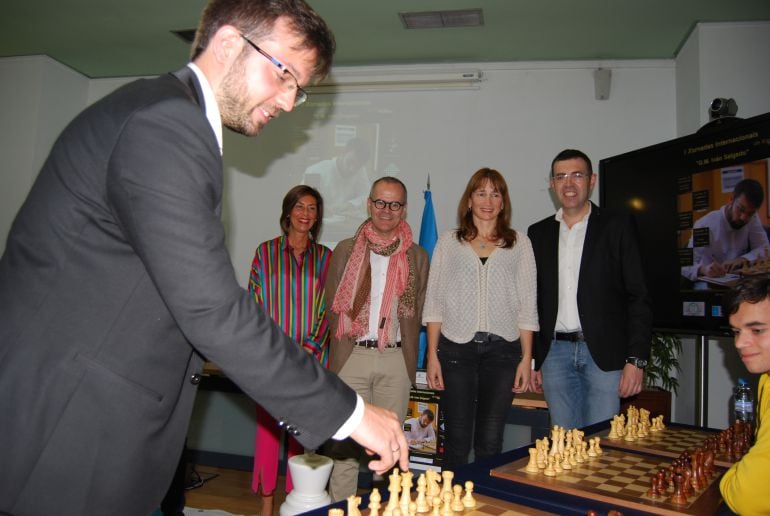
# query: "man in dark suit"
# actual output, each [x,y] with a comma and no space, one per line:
[375,289]
[116,281]
[594,310]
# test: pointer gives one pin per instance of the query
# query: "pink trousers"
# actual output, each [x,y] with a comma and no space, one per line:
[267,445]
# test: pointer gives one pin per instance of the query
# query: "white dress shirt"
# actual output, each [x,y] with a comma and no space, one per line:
[571,242]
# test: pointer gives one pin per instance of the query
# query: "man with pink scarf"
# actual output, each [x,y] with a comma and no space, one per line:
[375,287]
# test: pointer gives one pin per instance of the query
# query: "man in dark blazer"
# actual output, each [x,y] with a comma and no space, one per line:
[116,281]
[375,336]
[594,310]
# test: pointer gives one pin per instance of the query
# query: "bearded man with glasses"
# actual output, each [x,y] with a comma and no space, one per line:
[116,281]
[593,306]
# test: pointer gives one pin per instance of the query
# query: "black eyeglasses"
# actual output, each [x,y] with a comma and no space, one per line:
[392,205]
[301,95]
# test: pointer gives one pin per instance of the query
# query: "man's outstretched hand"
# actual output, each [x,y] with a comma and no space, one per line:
[381,433]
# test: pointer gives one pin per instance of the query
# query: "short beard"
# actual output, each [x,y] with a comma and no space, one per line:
[232,101]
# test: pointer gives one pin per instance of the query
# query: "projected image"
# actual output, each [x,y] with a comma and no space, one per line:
[344,181]
[724,225]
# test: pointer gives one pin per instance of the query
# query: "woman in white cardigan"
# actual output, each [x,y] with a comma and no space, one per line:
[481,313]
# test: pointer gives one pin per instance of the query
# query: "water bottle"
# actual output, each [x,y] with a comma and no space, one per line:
[744,402]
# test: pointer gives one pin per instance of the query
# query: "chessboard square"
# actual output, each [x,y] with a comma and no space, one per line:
[610,488]
[623,479]
[571,479]
[637,472]
[610,472]
[595,478]
[487,509]
[637,487]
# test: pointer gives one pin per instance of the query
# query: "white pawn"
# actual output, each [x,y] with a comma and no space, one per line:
[549,469]
[436,506]
[532,464]
[374,502]
[469,502]
[592,448]
[457,499]
[598,448]
[422,500]
[446,505]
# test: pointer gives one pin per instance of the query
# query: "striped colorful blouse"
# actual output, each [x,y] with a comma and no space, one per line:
[292,292]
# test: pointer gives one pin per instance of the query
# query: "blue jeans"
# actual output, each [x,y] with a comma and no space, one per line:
[478,378]
[577,391]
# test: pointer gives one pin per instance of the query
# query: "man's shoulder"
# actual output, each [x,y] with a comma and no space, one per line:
[418,250]
[542,225]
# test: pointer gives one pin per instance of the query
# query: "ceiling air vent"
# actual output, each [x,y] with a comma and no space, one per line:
[442,19]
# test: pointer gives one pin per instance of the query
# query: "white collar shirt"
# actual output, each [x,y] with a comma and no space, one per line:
[379,269]
[209,100]
[571,242]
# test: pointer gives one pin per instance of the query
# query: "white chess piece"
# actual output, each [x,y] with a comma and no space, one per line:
[374,502]
[469,502]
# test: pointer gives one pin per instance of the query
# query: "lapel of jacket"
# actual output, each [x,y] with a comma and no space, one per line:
[187,77]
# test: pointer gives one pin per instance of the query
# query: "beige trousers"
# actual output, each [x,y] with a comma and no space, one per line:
[381,379]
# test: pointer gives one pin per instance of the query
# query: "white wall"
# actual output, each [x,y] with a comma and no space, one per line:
[38,97]
[522,115]
[727,60]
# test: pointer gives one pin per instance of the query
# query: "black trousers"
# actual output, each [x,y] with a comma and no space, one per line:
[478,381]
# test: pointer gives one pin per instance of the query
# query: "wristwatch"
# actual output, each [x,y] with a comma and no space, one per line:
[638,362]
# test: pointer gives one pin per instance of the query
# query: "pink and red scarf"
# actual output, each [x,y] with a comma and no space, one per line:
[352,300]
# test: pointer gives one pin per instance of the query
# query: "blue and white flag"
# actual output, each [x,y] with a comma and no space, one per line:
[428,238]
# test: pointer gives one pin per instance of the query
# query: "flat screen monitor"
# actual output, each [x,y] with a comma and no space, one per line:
[697,237]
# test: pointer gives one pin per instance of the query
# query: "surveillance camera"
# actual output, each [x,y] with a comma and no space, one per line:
[722,107]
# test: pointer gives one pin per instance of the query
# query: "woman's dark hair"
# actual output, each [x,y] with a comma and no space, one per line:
[467,230]
[290,200]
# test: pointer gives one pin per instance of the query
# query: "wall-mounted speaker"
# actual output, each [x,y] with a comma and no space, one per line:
[602,81]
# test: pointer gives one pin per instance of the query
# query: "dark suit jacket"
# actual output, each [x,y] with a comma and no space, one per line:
[613,302]
[115,277]
[340,349]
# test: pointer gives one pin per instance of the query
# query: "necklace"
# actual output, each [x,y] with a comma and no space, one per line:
[484,241]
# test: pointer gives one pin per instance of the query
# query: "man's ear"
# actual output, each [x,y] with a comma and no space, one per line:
[226,44]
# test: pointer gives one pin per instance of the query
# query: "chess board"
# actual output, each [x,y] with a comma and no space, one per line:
[488,506]
[617,477]
[670,442]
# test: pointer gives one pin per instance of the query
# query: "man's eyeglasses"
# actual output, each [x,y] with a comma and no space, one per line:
[392,205]
[289,85]
[575,176]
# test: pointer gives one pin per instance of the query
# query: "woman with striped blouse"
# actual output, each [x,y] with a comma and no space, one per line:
[287,278]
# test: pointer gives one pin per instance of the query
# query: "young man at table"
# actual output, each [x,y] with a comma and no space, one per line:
[748,307]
